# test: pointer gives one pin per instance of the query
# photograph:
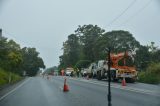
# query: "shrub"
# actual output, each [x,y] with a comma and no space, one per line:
[4,77]
[15,78]
[151,75]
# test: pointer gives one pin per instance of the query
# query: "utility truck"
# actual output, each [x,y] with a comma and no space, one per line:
[90,71]
[117,71]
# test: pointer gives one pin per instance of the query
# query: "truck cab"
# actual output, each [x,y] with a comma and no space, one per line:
[90,71]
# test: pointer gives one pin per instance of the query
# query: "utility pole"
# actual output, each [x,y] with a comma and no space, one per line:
[109,79]
[0,33]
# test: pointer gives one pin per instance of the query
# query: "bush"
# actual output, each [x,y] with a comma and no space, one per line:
[4,77]
[15,78]
[151,75]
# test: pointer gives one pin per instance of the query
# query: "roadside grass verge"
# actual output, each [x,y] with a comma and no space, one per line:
[151,75]
[4,77]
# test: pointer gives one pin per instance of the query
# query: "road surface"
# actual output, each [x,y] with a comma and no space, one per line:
[38,91]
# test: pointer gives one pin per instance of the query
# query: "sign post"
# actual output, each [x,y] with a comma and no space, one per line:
[109,79]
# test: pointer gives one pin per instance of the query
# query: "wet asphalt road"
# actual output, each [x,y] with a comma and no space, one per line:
[38,91]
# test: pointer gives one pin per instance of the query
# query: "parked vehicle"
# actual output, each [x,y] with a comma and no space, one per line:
[91,70]
[84,72]
[102,71]
[69,71]
[117,71]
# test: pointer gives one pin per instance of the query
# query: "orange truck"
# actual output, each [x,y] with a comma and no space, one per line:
[118,72]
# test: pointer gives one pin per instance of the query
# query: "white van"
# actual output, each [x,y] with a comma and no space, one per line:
[68,71]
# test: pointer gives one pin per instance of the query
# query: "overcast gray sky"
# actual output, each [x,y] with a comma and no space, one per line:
[45,24]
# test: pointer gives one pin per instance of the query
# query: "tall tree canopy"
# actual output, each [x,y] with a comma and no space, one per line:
[31,61]
[17,60]
[88,35]
[10,56]
[120,41]
[70,51]
[90,43]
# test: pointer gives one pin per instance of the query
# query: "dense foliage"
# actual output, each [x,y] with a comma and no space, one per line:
[16,60]
[50,70]
[89,44]
[151,75]
[4,78]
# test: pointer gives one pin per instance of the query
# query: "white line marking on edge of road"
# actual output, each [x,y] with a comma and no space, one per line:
[4,96]
[119,87]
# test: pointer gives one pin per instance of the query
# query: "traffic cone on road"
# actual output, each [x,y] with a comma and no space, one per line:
[65,88]
[123,82]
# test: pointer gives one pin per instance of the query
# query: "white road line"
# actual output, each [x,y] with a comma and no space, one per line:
[120,87]
[14,89]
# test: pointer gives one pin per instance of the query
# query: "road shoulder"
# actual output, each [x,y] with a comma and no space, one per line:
[9,87]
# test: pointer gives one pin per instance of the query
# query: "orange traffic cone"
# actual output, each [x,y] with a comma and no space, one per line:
[65,88]
[123,82]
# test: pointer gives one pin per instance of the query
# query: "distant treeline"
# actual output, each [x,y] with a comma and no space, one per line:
[89,44]
[16,60]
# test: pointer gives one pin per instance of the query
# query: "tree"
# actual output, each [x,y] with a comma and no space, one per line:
[10,55]
[90,43]
[82,64]
[88,35]
[120,41]
[70,51]
[50,70]
[31,61]
[156,56]
[152,47]
[154,52]
[14,56]
[3,49]
[142,58]
[146,55]
[16,60]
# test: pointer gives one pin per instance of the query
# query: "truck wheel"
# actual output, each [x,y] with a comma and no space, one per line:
[90,75]
[113,79]
[99,76]
[130,80]
[113,76]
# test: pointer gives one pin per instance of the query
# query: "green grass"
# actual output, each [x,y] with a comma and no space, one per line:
[151,75]
[148,78]
[4,77]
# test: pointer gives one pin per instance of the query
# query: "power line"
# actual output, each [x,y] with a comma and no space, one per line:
[136,13]
[116,18]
